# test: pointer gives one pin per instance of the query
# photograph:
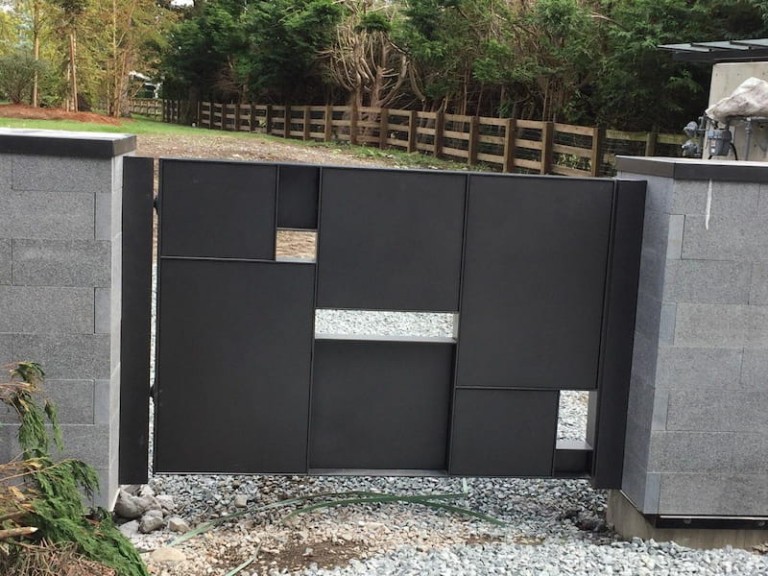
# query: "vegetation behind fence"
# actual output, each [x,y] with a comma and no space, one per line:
[505,144]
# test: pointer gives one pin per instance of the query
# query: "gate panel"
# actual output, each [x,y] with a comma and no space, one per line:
[235,344]
[390,240]
[534,282]
[504,433]
[218,209]
[380,404]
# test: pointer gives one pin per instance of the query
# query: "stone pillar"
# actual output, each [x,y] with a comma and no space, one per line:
[60,277]
[698,411]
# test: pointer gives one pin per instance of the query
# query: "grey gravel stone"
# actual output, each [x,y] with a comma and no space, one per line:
[177,524]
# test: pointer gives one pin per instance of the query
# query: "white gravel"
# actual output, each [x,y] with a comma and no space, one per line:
[552,527]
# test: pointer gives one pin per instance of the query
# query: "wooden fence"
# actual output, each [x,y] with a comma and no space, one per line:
[151,107]
[504,144]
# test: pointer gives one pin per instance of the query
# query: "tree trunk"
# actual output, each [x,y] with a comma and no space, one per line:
[73,67]
[36,52]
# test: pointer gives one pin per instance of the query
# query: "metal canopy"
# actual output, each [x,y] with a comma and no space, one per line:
[720,51]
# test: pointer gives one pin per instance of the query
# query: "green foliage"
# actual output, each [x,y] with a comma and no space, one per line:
[48,504]
[17,73]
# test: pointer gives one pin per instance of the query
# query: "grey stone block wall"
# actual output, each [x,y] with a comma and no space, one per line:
[60,273]
[697,437]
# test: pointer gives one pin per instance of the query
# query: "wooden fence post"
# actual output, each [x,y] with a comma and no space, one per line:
[251,116]
[547,139]
[474,142]
[307,122]
[510,134]
[328,123]
[437,145]
[353,118]
[650,142]
[237,117]
[223,116]
[412,131]
[268,120]
[596,160]
[383,127]
[286,121]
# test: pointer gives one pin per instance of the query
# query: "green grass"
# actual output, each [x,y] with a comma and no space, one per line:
[132,126]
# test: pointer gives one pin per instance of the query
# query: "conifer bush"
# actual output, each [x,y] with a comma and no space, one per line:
[45,529]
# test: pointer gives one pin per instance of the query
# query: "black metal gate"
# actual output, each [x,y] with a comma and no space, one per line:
[541,271]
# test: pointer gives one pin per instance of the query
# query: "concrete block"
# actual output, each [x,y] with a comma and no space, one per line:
[6,261]
[718,410]
[73,400]
[633,481]
[55,174]
[698,368]
[107,402]
[758,292]
[66,356]
[102,310]
[675,237]
[721,326]
[689,197]
[648,316]
[89,443]
[47,215]
[6,352]
[46,309]
[700,452]
[708,452]
[655,233]
[660,410]
[754,370]
[103,217]
[743,238]
[61,263]
[667,322]
[644,359]
[653,270]
[637,439]
[6,172]
[718,494]
[708,282]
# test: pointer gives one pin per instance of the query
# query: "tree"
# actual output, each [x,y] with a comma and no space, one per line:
[18,73]
[363,59]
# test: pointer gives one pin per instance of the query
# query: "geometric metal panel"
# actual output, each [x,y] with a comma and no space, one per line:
[504,432]
[136,314]
[217,209]
[233,370]
[380,404]
[390,240]
[297,196]
[607,418]
[534,282]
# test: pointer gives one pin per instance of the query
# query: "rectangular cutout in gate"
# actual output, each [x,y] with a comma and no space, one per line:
[298,245]
[376,324]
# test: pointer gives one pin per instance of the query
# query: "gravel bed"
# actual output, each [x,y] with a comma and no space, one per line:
[552,527]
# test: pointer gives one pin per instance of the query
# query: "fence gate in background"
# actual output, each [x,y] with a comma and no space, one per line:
[541,271]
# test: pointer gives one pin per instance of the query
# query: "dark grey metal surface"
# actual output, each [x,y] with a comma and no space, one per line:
[380,404]
[297,196]
[235,344]
[219,209]
[136,312]
[503,433]
[609,416]
[390,240]
[62,143]
[573,458]
[534,276]
[694,169]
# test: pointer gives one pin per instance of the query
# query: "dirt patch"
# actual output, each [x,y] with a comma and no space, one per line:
[29,113]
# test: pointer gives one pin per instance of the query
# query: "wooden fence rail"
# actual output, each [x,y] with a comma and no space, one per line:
[505,144]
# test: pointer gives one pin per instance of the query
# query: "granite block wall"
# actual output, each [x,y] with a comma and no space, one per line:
[697,438]
[60,239]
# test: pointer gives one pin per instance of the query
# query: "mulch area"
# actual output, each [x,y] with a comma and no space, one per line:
[29,113]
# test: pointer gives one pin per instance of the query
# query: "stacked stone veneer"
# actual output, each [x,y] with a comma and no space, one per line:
[697,437]
[60,263]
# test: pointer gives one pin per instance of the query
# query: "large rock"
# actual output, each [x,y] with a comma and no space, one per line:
[151,521]
[176,524]
[129,506]
[167,556]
